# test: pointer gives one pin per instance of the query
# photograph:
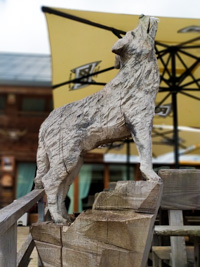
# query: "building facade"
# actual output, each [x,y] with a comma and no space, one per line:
[25,101]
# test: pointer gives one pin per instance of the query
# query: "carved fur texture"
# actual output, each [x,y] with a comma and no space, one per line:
[124,107]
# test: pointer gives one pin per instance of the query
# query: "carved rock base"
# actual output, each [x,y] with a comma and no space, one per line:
[116,232]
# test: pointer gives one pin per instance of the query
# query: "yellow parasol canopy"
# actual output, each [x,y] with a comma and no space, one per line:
[81,43]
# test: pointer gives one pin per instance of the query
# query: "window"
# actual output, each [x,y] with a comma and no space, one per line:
[33,104]
[2,103]
[36,105]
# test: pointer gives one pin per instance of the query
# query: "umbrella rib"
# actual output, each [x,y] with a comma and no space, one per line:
[90,83]
[161,44]
[165,89]
[188,54]
[78,80]
[165,66]
[165,69]
[161,53]
[166,138]
[189,41]
[192,96]
[166,132]
[187,72]
[115,31]
[162,101]
[190,89]
[163,136]
[190,47]
[189,83]
[163,144]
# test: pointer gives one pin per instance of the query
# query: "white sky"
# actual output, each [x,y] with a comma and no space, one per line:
[23,27]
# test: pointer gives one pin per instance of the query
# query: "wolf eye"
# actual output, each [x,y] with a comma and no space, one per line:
[133,34]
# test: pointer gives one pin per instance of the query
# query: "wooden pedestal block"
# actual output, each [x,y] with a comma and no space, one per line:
[116,232]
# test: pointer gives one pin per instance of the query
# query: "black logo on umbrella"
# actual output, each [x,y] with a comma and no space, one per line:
[83,74]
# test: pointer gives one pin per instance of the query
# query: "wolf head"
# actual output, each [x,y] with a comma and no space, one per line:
[139,43]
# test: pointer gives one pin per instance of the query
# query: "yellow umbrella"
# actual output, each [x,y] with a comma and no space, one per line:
[81,43]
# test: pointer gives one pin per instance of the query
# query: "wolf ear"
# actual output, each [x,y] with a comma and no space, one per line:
[119,45]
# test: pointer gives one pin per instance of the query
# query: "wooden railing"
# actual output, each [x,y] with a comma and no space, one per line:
[8,229]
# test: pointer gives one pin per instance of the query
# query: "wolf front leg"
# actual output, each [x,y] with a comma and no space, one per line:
[142,137]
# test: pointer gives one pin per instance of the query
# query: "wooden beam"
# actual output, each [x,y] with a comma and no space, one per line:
[163,252]
[24,253]
[167,230]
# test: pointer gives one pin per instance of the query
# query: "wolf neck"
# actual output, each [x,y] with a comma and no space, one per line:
[138,64]
[138,60]
[136,73]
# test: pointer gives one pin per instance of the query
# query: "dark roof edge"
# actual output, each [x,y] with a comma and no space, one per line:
[26,83]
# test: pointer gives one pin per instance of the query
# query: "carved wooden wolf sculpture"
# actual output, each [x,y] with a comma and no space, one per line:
[124,106]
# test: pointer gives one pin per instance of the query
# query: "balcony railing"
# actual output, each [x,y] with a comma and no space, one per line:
[8,229]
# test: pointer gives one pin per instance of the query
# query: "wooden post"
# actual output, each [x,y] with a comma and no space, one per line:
[41,210]
[23,256]
[178,254]
[106,176]
[76,194]
[8,229]
[40,219]
[8,247]
[196,251]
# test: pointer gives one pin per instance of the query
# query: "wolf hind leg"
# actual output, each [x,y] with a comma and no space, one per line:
[64,187]
[57,182]
[52,181]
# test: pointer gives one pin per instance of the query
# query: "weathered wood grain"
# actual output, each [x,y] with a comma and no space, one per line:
[24,253]
[178,254]
[108,238]
[50,254]
[164,252]
[8,247]
[184,230]
[138,196]
[99,238]
[181,189]
[47,232]
[124,107]
[10,214]
[75,258]
[181,192]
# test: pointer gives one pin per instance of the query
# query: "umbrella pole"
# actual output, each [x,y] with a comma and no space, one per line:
[128,159]
[175,123]
[175,114]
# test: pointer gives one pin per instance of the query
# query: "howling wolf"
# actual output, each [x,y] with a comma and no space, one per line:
[124,107]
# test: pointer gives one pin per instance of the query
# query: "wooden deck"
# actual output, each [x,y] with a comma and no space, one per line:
[22,233]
